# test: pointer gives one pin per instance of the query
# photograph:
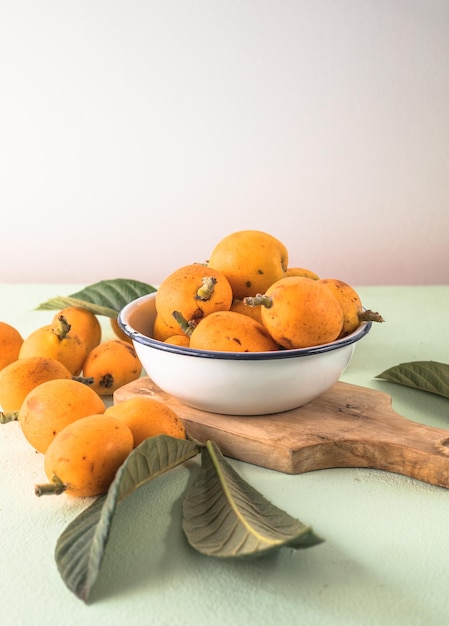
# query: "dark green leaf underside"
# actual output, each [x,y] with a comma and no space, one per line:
[223,516]
[430,376]
[106,297]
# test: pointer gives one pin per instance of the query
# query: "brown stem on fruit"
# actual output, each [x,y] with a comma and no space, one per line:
[55,488]
[259,300]
[184,325]
[86,380]
[62,329]
[207,288]
[12,416]
[370,316]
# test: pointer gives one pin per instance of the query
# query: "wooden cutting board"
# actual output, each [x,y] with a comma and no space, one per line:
[348,426]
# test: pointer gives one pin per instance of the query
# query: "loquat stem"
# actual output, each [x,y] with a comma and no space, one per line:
[55,488]
[62,329]
[207,288]
[11,416]
[87,380]
[185,326]
[370,316]
[259,300]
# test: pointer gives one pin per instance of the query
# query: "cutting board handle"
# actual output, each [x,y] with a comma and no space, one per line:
[369,433]
[347,426]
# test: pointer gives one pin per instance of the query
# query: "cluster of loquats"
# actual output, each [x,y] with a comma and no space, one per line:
[54,382]
[70,347]
[246,298]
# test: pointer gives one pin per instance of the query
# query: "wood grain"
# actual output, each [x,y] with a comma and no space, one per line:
[348,426]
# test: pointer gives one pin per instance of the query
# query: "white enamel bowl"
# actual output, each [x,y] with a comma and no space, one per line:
[236,383]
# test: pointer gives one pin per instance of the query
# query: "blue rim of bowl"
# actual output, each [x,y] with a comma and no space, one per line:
[140,338]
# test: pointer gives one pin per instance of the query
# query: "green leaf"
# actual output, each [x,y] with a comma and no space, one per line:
[226,517]
[80,548]
[107,297]
[430,376]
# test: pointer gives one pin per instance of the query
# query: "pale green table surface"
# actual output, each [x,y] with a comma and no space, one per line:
[384,561]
